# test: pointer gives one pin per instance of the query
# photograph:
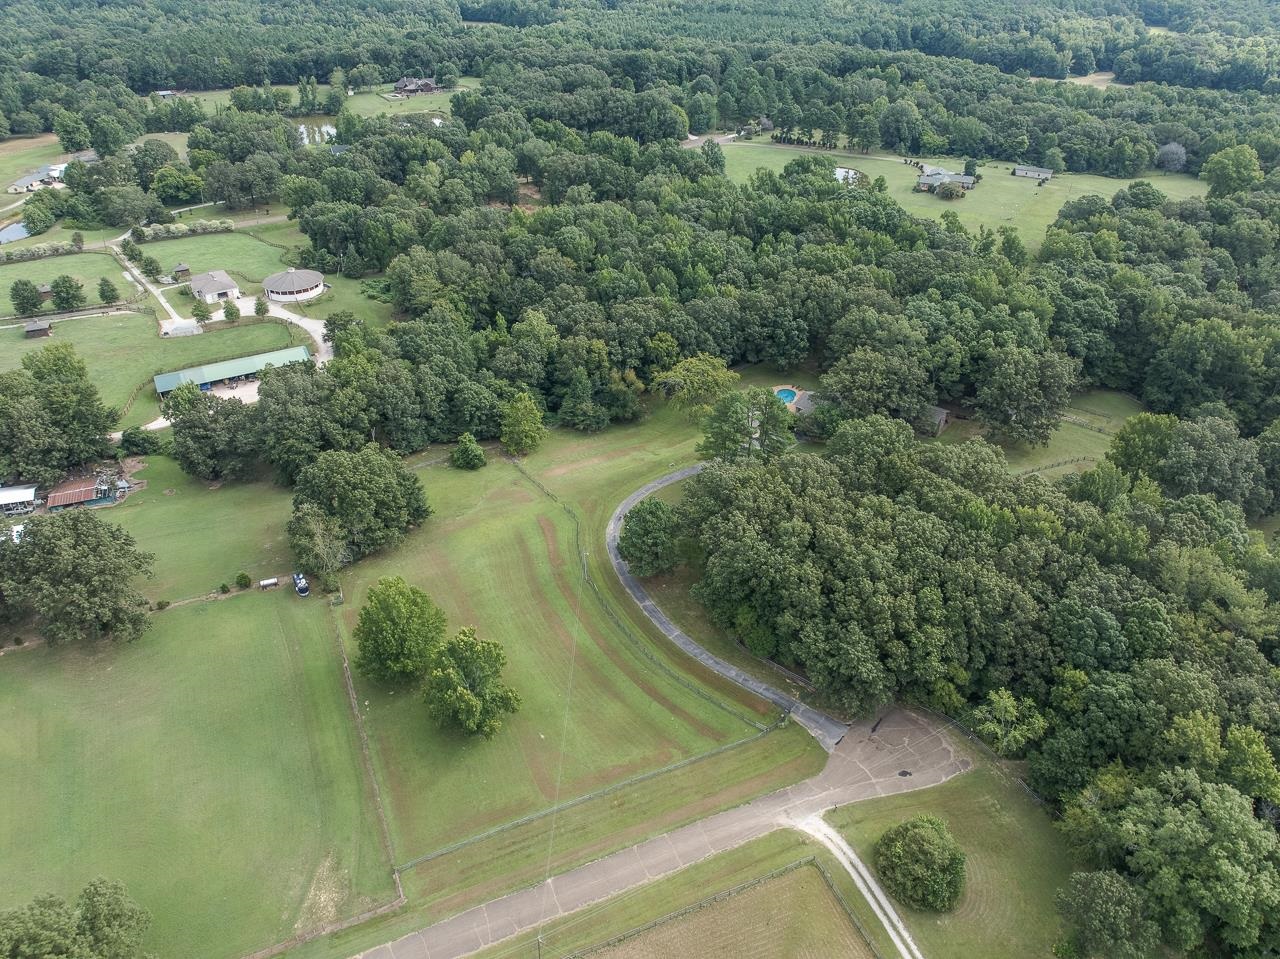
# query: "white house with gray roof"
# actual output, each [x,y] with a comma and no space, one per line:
[214,287]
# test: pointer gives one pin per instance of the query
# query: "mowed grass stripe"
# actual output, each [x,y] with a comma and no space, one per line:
[500,556]
[211,766]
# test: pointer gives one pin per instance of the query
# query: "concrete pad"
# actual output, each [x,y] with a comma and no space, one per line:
[659,856]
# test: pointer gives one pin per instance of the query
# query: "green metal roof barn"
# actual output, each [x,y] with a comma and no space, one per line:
[211,373]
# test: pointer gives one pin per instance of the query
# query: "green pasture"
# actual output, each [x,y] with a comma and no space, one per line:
[212,766]
[22,155]
[61,233]
[203,534]
[244,257]
[1000,199]
[88,268]
[366,104]
[1016,862]
[123,352]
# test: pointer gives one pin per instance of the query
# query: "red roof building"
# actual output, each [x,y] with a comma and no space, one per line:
[72,492]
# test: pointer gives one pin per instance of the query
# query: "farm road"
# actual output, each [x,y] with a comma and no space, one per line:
[900,752]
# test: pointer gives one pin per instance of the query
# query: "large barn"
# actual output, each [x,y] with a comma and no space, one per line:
[294,286]
[211,374]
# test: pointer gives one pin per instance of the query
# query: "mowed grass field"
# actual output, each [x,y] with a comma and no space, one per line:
[999,200]
[23,155]
[203,534]
[88,268]
[500,556]
[212,766]
[1016,862]
[366,104]
[1078,444]
[123,351]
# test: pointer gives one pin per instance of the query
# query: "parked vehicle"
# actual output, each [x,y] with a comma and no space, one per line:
[300,585]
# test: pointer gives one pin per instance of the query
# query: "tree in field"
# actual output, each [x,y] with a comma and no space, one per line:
[67,293]
[319,543]
[648,539]
[103,923]
[201,312]
[213,436]
[447,75]
[465,687]
[399,631]
[370,493]
[150,267]
[1023,393]
[107,292]
[467,455]
[579,410]
[260,306]
[1232,170]
[921,864]
[1107,917]
[522,429]
[949,191]
[72,573]
[61,385]
[695,384]
[25,297]
[751,426]
[230,312]
[1008,724]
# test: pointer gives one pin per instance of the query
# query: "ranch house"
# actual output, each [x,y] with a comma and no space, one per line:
[214,287]
[1033,172]
[407,86]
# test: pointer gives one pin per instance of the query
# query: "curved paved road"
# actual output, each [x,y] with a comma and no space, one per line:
[897,753]
[826,730]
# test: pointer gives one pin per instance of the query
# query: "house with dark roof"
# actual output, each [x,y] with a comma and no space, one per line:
[929,182]
[407,86]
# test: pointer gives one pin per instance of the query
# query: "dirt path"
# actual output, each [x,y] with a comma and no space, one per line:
[826,730]
[899,752]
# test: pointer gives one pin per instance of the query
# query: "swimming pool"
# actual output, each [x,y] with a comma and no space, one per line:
[786,395]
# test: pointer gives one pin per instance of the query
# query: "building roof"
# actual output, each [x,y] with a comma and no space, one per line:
[1032,171]
[212,283]
[12,495]
[44,288]
[290,281]
[936,414]
[182,268]
[72,492]
[36,326]
[229,369]
[934,179]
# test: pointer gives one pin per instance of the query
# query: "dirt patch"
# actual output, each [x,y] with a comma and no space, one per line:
[329,890]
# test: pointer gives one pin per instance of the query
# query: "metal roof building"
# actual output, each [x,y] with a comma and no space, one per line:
[17,495]
[205,376]
[293,285]
[73,492]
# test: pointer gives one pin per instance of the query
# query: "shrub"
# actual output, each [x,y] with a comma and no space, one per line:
[648,540]
[224,589]
[921,864]
[162,604]
[467,455]
[135,441]
[243,580]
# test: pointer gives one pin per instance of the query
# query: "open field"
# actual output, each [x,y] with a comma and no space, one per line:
[176,140]
[1077,445]
[203,534]
[365,104]
[1016,861]
[795,914]
[88,268]
[60,232]
[22,155]
[212,766]
[123,351]
[999,200]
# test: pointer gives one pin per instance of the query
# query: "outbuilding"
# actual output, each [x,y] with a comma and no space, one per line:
[45,291]
[181,272]
[936,419]
[16,500]
[210,374]
[294,286]
[76,492]
[214,287]
[37,328]
[1033,172]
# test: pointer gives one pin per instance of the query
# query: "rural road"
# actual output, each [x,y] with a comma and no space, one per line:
[826,730]
[897,753]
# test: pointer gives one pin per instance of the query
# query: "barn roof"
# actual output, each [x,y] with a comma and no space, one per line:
[73,491]
[229,369]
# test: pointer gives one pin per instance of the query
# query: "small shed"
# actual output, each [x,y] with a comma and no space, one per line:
[936,419]
[1033,172]
[182,272]
[46,292]
[37,328]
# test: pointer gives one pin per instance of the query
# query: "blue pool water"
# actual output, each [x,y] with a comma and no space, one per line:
[787,396]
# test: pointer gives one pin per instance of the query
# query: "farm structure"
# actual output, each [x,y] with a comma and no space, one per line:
[229,370]
[16,500]
[1033,172]
[50,175]
[214,286]
[407,86]
[37,328]
[294,286]
[932,177]
[78,492]
[936,419]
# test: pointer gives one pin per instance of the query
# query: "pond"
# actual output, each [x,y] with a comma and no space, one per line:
[14,231]
[315,130]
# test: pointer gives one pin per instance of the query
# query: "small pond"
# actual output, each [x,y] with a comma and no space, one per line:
[14,231]
[315,130]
